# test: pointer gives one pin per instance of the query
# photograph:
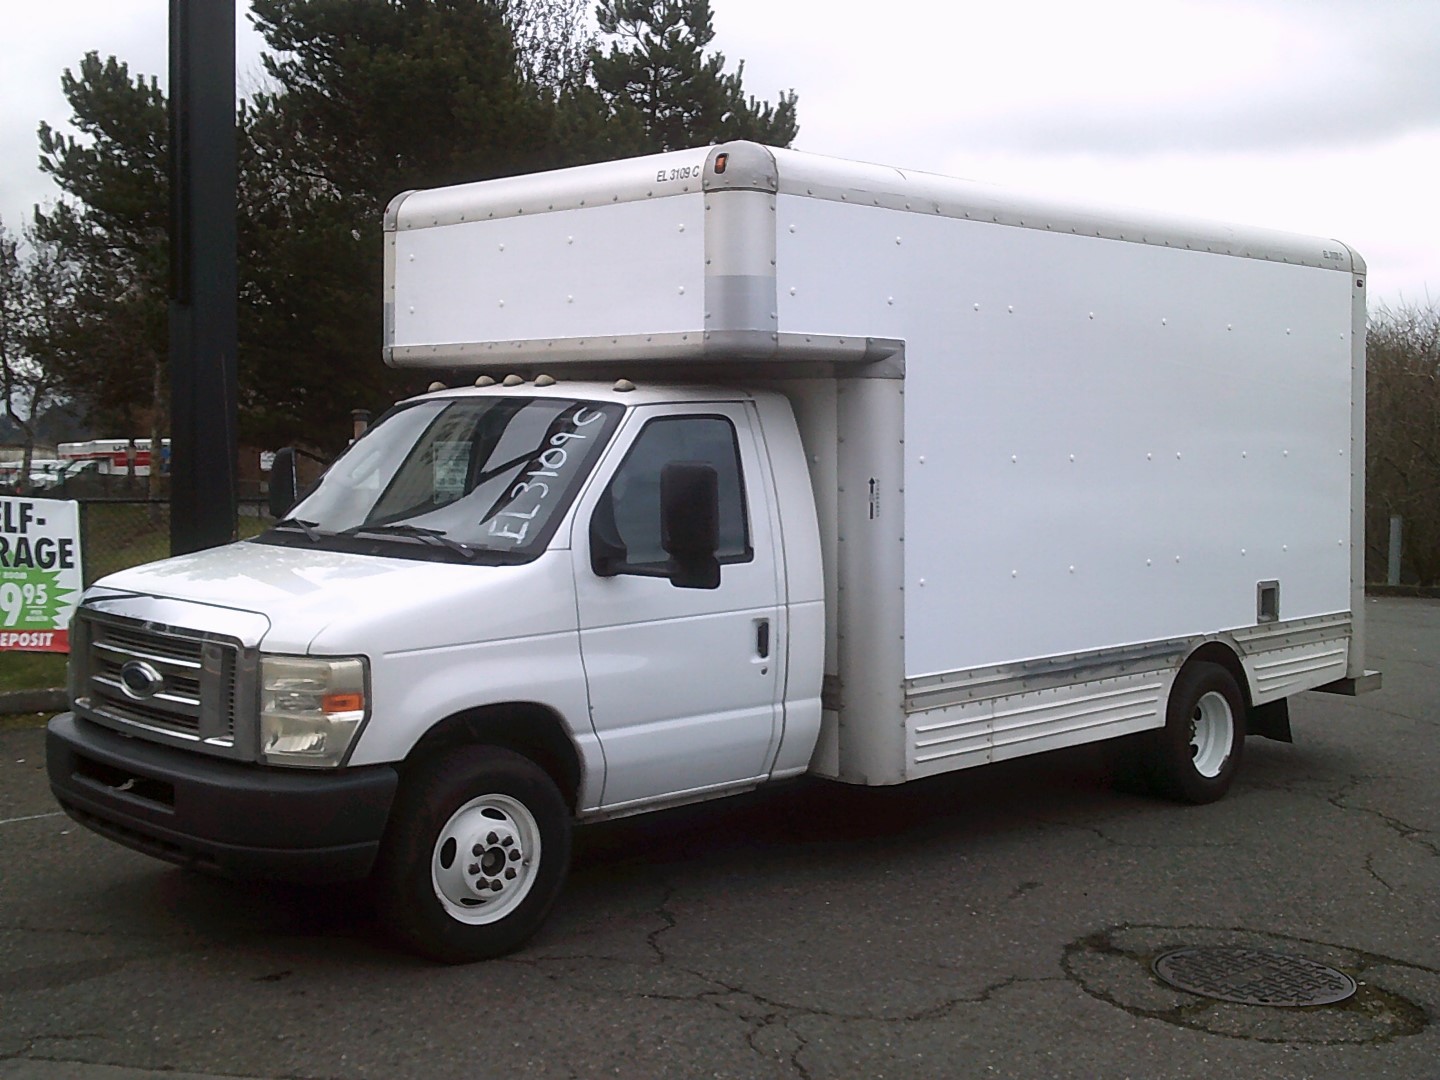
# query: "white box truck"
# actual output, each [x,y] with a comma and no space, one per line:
[774,465]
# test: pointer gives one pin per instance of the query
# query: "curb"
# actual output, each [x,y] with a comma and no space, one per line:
[28,701]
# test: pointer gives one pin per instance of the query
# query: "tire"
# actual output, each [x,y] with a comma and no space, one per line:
[477,850]
[1195,756]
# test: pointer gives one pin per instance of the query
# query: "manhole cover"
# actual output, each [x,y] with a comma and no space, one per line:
[1253,977]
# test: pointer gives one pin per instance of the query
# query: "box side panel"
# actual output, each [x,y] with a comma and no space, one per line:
[616,270]
[1107,442]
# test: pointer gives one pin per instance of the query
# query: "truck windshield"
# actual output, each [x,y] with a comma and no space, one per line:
[453,478]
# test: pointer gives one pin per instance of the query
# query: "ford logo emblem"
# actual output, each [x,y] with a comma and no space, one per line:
[140,680]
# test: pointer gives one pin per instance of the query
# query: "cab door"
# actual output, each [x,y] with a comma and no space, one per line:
[683,681]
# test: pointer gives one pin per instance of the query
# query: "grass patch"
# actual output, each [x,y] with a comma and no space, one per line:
[31,671]
[24,721]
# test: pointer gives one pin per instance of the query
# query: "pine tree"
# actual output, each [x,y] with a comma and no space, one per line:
[370,98]
[656,78]
[110,349]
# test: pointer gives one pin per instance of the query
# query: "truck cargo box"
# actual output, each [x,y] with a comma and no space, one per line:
[1055,448]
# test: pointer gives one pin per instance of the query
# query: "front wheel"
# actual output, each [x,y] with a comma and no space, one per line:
[1195,756]
[476,852]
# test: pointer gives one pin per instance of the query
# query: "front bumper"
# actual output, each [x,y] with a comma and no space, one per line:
[229,818]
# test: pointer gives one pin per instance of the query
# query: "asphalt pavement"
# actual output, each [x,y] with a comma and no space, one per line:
[996,923]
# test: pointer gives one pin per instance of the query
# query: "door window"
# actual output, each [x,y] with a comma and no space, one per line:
[627,517]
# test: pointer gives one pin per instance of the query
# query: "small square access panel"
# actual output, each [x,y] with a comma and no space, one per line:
[1267,601]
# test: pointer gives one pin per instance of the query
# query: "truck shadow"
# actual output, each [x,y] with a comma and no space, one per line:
[807,812]
[1075,786]
[778,831]
[771,826]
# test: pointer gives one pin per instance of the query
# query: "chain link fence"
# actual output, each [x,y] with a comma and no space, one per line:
[125,519]
[120,532]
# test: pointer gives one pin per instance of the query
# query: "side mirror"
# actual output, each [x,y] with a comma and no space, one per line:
[283,483]
[690,523]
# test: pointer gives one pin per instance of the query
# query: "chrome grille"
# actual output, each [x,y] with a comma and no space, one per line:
[186,684]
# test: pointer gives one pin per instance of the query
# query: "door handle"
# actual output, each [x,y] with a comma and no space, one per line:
[762,638]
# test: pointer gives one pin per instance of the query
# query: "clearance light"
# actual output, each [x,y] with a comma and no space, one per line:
[721,160]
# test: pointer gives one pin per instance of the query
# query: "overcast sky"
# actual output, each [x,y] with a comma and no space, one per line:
[1317,116]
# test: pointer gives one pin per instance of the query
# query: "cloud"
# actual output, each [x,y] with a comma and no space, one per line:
[1108,76]
[135,31]
[1351,96]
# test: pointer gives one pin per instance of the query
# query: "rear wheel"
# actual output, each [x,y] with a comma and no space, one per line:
[476,852]
[1195,756]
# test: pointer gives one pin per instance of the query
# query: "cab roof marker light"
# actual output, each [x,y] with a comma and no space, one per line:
[544,380]
[485,380]
[513,380]
[434,386]
[623,386]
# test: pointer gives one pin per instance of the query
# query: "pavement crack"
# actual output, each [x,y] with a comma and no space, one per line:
[982,997]
[28,1051]
[70,931]
[933,1012]
[163,1069]
[1403,829]
[1370,869]
[769,1023]
[1116,842]
[667,917]
[801,1045]
[1093,830]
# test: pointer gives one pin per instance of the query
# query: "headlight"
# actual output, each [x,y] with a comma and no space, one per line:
[310,709]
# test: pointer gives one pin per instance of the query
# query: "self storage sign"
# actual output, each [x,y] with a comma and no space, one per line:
[39,573]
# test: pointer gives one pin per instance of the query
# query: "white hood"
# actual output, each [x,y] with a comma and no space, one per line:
[336,603]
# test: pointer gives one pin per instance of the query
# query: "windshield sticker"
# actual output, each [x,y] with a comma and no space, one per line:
[451,462]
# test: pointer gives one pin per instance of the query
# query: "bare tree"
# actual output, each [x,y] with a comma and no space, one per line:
[34,290]
[1403,437]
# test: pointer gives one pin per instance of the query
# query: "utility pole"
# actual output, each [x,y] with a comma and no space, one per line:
[203,279]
